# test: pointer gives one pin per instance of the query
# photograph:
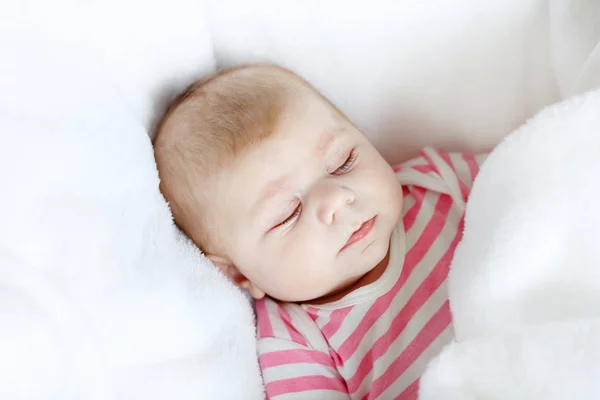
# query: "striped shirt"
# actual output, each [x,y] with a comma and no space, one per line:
[375,342]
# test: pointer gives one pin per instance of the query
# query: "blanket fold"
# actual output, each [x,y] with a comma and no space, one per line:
[524,284]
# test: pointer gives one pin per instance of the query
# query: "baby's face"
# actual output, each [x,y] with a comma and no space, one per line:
[309,210]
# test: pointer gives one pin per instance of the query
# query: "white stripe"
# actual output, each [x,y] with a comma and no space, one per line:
[322,318]
[410,332]
[448,176]
[415,162]
[278,325]
[423,217]
[314,394]
[480,159]
[418,367]
[269,345]
[307,327]
[298,370]
[429,181]
[463,171]
[407,203]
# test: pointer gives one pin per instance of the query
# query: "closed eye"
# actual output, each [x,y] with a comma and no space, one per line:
[347,165]
[291,217]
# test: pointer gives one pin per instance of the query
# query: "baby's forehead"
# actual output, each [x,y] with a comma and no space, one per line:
[268,166]
[308,131]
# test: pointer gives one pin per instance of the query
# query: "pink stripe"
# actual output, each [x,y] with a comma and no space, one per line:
[312,310]
[375,311]
[421,295]
[262,319]
[464,190]
[336,318]
[411,392]
[428,236]
[424,168]
[413,256]
[434,327]
[431,162]
[336,358]
[411,215]
[472,164]
[294,356]
[303,384]
[446,157]
[289,325]
[313,313]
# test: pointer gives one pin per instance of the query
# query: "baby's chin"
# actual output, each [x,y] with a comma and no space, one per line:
[376,261]
[350,274]
[364,275]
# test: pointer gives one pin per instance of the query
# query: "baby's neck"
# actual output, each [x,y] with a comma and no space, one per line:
[364,280]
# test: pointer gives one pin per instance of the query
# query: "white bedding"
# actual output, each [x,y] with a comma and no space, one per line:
[524,284]
[100,297]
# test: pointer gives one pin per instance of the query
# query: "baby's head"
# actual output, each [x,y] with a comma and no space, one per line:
[271,181]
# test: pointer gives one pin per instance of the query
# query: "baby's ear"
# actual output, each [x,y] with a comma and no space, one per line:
[227,268]
[234,275]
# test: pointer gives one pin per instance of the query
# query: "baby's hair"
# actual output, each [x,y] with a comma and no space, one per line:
[206,126]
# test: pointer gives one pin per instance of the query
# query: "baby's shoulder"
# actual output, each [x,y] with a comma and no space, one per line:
[450,173]
[288,321]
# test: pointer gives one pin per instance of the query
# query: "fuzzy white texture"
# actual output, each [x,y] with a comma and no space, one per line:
[524,284]
[100,296]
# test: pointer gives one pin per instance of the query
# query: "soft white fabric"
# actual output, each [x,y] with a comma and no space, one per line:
[100,297]
[574,35]
[458,74]
[524,284]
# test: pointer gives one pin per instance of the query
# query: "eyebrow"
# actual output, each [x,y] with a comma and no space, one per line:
[326,143]
[272,189]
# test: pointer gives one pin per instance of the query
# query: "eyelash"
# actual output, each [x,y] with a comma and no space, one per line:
[292,216]
[347,164]
[340,171]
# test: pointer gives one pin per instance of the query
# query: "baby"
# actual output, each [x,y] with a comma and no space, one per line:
[346,256]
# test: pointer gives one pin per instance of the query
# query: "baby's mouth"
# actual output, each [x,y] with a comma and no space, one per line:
[361,233]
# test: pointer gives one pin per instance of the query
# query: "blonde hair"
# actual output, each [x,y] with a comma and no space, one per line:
[206,127]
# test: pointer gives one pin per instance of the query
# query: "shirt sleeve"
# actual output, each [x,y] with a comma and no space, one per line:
[453,173]
[291,367]
[457,170]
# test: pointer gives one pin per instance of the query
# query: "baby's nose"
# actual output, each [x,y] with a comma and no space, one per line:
[333,199]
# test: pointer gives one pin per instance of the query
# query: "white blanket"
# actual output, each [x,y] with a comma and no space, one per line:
[100,297]
[524,284]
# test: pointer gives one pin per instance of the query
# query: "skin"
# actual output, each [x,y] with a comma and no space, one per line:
[287,207]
